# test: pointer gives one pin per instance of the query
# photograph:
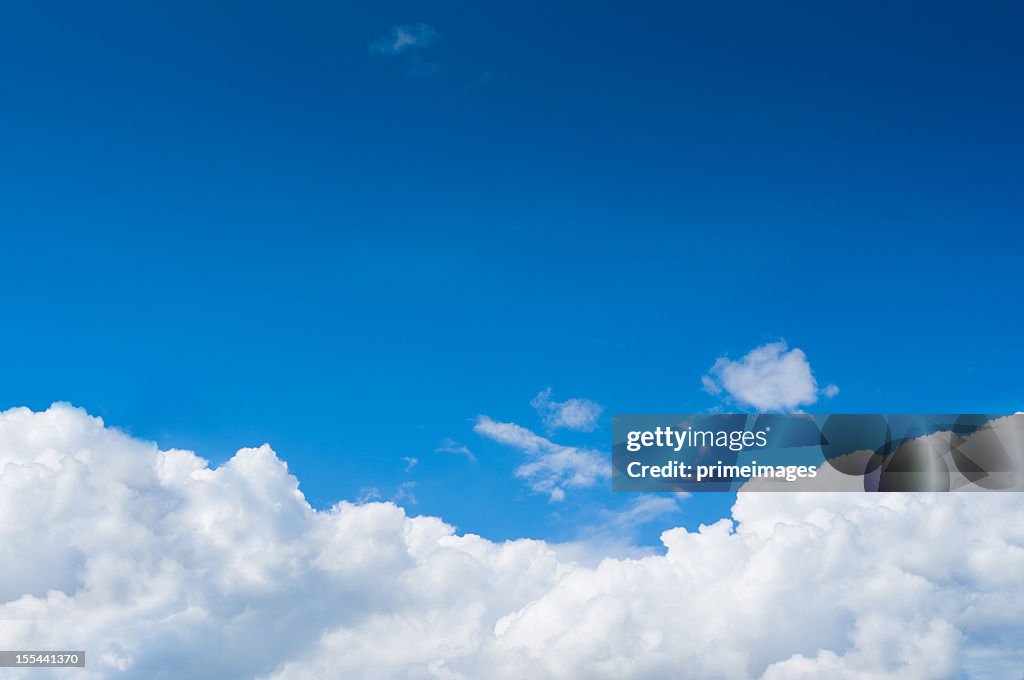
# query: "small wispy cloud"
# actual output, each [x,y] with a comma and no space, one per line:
[405,494]
[410,462]
[551,468]
[615,531]
[368,494]
[404,37]
[452,446]
[644,509]
[771,377]
[581,415]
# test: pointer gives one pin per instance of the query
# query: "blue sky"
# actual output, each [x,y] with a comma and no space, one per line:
[229,225]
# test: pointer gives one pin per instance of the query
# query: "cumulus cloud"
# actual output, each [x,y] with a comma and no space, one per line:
[771,377]
[404,37]
[160,566]
[572,414]
[551,467]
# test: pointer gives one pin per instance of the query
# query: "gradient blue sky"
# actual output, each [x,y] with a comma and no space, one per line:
[235,224]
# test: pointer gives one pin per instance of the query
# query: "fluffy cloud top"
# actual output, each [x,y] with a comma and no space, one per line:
[551,467]
[771,377]
[161,567]
[572,414]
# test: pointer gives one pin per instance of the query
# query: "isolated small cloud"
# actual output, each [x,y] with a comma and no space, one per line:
[410,463]
[404,37]
[405,494]
[550,468]
[452,446]
[368,494]
[581,415]
[771,377]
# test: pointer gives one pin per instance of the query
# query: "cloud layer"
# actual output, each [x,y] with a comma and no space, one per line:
[771,377]
[161,567]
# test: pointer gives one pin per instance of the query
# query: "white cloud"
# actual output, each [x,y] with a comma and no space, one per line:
[771,377]
[403,38]
[645,508]
[405,494]
[550,468]
[572,414]
[161,567]
[452,446]
[368,494]
[410,462]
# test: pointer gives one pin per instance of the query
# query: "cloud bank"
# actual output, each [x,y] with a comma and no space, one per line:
[771,377]
[162,567]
